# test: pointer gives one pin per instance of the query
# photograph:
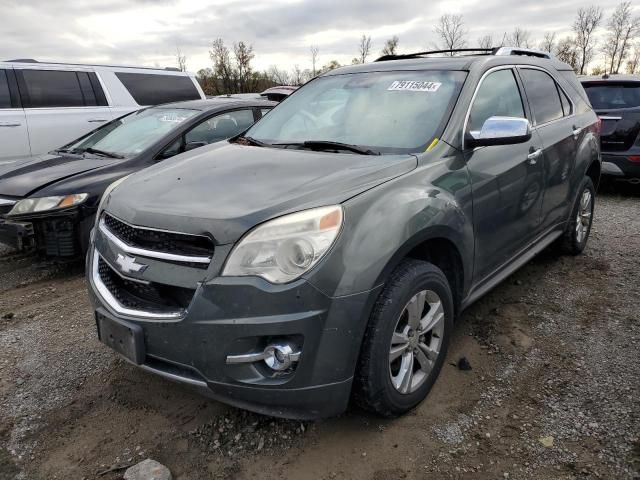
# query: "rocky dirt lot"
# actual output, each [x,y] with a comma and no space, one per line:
[553,391]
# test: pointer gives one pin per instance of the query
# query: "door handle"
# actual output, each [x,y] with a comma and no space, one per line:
[96,120]
[9,125]
[576,131]
[533,156]
[610,118]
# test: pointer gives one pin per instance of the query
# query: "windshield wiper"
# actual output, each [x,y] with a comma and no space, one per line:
[328,145]
[96,151]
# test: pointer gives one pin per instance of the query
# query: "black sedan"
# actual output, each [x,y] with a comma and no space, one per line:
[49,201]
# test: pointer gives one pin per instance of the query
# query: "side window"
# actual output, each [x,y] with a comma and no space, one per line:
[173,149]
[566,104]
[264,111]
[51,88]
[543,96]
[5,95]
[220,127]
[498,95]
[152,89]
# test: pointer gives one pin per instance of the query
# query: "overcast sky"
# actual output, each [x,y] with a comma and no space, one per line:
[147,32]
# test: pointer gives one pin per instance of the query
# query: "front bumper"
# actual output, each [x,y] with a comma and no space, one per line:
[62,234]
[235,316]
[619,166]
[18,235]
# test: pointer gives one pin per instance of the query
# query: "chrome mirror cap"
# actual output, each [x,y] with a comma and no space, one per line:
[501,131]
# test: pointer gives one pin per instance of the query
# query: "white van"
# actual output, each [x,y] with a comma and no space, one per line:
[46,105]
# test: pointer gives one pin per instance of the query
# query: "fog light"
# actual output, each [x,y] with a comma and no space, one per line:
[280,356]
[277,356]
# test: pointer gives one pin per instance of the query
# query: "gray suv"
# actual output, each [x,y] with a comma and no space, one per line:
[324,254]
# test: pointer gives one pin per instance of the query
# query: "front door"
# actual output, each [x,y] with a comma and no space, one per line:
[14,136]
[507,180]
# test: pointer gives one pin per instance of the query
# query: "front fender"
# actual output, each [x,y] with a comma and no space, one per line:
[383,224]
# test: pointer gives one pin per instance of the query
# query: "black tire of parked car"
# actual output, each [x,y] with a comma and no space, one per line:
[568,243]
[373,389]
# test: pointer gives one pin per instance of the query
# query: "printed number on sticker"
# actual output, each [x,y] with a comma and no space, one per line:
[411,86]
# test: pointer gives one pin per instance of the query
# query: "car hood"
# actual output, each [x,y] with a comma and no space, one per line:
[225,189]
[25,176]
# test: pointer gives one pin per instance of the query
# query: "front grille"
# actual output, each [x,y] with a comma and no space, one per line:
[150,297]
[160,241]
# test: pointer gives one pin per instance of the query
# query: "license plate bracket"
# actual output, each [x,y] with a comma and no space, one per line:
[126,338]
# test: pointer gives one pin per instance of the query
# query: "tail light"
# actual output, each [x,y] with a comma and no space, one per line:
[598,126]
[634,158]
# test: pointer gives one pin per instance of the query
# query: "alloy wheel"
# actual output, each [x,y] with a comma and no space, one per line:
[583,220]
[416,341]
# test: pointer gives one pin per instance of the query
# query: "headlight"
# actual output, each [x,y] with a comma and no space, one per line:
[281,250]
[42,204]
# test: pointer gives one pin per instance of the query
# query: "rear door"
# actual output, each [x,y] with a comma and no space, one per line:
[617,103]
[14,136]
[555,122]
[60,105]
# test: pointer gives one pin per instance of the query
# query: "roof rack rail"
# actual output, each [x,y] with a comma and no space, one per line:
[432,52]
[475,51]
[531,52]
[23,60]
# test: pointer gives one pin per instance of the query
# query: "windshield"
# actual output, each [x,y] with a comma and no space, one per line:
[133,133]
[388,112]
[613,95]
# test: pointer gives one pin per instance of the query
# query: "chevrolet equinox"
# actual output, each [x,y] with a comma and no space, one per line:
[323,254]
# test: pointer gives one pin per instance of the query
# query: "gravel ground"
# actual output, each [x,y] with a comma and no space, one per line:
[553,390]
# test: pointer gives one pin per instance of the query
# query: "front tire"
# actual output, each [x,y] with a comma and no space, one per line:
[406,340]
[575,237]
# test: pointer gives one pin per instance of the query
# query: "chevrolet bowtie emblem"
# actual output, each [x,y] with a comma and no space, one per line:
[128,264]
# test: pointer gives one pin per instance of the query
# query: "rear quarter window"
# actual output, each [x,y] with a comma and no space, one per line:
[153,89]
[613,95]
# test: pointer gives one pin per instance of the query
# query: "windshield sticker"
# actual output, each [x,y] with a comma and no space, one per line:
[411,86]
[172,117]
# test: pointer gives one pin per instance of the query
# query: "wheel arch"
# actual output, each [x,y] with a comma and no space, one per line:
[440,246]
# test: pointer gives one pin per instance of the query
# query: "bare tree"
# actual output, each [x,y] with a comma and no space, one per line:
[222,68]
[332,65]
[391,46]
[314,58]
[243,54]
[519,37]
[181,60]
[486,41]
[622,28]
[586,22]
[364,48]
[634,60]
[567,52]
[548,44]
[451,32]
[281,77]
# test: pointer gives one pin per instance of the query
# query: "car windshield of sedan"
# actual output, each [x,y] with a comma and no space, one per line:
[132,133]
[378,112]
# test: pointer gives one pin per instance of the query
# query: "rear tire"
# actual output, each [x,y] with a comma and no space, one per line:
[406,341]
[576,234]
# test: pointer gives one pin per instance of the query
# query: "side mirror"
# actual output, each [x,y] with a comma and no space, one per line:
[194,145]
[500,131]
